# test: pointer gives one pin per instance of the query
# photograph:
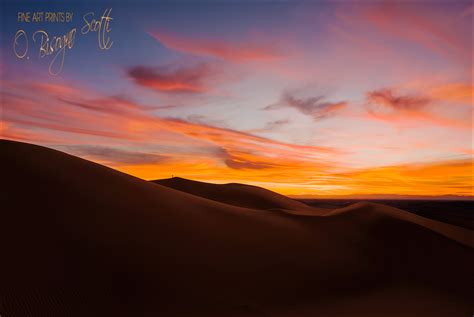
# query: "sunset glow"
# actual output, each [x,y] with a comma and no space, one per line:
[306,99]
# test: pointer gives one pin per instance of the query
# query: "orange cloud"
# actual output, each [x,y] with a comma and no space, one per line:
[12,132]
[453,177]
[293,177]
[278,173]
[241,52]
[127,136]
[454,92]
[119,119]
[24,111]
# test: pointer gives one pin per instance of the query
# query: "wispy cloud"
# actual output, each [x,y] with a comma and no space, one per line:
[103,120]
[432,178]
[241,160]
[438,31]
[454,92]
[115,156]
[316,107]
[169,113]
[110,104]
[389,99]
[239,52]
[272,125]
[391,105]
[131,139]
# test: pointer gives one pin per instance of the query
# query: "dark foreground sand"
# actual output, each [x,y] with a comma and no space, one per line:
[80,239]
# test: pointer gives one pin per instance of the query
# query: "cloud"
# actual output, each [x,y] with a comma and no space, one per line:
[12,132]
[123,139]
[238,52]
[454,92]
[54,89]
[271,126]
[432,178]
[170,79]
[29,111]
[205,120]
[233,139]
[315,107]
[107,105]
[115,156]
[388,99]
[98,120]
[392,106]
[65,127]
[242,160]
[431,27]
[276,124]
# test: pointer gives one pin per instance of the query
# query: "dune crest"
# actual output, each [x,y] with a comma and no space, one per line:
[235,194]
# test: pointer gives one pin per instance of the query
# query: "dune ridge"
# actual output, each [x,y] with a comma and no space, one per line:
[235,194]
[259,198]
[83,239]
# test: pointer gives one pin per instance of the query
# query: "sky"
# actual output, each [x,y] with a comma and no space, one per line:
[306,98]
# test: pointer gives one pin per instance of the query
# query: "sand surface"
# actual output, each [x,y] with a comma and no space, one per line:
[80,239]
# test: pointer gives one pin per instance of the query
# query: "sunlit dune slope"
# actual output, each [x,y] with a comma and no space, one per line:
[80,239]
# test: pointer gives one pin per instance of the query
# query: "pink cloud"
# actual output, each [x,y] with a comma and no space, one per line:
[392,106]
[443,32]
[106,120]
[238,52]
[166,79]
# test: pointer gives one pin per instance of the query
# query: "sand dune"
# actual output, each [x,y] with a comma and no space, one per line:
[259,198]
[366,209]
[80,239]
[237,195]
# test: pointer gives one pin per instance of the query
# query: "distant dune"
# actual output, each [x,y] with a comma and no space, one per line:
[81,239]
[455,212]
[386,197]
[237,195]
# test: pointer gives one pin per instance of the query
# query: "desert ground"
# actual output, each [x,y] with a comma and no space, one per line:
[81,239]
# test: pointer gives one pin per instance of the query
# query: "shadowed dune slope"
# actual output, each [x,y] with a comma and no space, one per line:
[236,194]
[368,209]
[80,239]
